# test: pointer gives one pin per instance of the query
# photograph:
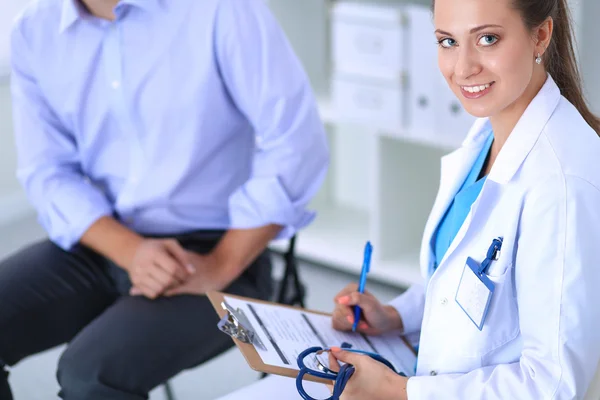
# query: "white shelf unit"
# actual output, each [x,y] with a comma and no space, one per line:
[378,188]
[381,184]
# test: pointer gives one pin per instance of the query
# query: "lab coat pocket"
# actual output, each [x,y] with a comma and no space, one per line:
[500,267]
[501,325]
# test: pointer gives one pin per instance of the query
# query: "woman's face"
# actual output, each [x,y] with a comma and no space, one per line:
[485,53]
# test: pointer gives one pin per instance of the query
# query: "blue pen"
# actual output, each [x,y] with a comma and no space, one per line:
[363,281]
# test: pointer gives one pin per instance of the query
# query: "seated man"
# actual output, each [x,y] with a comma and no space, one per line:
[163,145]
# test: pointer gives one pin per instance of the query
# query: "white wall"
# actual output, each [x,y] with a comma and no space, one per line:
[590,55]
[8,10]
[12,199]
[13,203]
[8,183]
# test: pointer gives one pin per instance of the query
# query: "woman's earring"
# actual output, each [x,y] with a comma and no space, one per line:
[538,59]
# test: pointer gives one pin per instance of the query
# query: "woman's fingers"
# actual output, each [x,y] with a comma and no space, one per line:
[333,363]
[340,318]
[353,287]
[365,301]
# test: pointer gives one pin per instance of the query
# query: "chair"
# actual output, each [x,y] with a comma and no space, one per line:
[289,291]
[169,391]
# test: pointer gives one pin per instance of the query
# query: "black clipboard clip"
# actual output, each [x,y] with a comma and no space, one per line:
[235,324]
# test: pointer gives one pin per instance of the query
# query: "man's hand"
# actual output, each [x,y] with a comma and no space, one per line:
[157,265]
[205,279]
[225,263]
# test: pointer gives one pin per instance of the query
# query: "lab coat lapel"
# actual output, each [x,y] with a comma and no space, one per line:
[454,169]
[489,196]
[526,133]
[511,157]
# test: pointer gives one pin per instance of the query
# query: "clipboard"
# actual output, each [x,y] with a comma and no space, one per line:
[235,324]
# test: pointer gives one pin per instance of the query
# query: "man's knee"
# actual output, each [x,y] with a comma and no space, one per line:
[5,393]
[9,353]
[89,373]
[81,376]
[74,376]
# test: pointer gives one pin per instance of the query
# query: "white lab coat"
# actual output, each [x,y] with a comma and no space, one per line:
[541,338]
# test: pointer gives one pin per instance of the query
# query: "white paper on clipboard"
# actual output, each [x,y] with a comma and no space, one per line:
[287,332]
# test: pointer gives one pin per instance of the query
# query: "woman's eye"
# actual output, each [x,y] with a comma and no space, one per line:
[447,42]
[488,40]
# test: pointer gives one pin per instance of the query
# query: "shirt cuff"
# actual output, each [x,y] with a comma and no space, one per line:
[263,201]
[411,305]
[69,215]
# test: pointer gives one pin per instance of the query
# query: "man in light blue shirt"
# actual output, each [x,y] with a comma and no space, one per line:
[163,144]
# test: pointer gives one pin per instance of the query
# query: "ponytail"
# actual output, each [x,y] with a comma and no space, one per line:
[559,59]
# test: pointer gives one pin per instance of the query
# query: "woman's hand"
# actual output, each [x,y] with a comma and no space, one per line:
[371,379]
[376,318]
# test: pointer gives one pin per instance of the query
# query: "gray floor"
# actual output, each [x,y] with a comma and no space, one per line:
[33,379]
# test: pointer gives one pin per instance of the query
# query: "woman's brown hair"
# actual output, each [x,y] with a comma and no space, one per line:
[559,59]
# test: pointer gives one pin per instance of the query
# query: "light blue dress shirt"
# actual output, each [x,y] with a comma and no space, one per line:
[180,115]
[461,205]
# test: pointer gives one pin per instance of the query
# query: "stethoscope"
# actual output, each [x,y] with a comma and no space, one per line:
[340,378]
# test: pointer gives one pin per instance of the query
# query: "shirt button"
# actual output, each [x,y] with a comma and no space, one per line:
[444,301]
[433,373]
[115,84]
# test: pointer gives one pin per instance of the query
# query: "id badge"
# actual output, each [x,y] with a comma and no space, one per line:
[474,293]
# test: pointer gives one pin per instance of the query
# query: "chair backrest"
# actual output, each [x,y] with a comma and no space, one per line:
[291,290]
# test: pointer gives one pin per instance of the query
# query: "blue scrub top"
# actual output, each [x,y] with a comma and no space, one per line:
[461,205]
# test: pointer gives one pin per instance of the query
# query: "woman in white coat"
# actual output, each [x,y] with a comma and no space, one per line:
[511,61]
[529,174]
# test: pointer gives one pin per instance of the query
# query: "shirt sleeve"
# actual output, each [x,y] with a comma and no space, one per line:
[411,307]
[556,278]
[269,86]
[48,165]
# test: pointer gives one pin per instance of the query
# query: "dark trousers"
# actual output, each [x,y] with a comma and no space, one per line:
[120,347]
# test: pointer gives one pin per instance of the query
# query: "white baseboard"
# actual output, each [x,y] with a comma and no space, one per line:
[14,206]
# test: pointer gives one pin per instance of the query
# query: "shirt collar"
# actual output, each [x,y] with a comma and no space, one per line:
[72,10]
[148,5]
